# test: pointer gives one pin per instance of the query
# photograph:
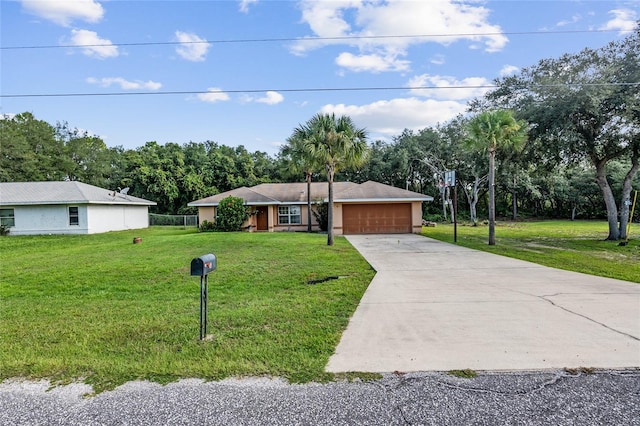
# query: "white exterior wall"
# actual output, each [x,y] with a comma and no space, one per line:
[105,218]
[93,219]
[35,220]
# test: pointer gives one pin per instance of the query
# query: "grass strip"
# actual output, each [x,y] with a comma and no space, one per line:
[578,246]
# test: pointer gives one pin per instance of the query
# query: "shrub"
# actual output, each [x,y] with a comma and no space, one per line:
[432,217]
[232,213]
[207,226]
[321,213]
[4,230]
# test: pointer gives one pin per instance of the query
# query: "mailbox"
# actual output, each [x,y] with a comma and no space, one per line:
[201,266]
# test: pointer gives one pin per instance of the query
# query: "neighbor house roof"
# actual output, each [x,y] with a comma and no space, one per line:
[243,192]
[296,193]
[71,192]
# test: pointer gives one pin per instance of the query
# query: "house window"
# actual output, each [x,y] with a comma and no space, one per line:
[289,215]
[7,217]
[73,216]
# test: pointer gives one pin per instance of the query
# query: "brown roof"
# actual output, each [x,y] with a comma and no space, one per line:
[296,193]
[247,194]
[376,191]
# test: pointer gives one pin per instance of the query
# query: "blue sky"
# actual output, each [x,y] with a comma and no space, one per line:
[243,69]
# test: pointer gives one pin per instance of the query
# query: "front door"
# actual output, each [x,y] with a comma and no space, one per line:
[263,218]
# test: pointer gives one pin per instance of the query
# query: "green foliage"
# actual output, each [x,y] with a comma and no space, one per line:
[583,107]
[171,175]
[334,143]
[207,226]
[490,131]
[321,213]
[108,311]
[231,214]
[432,217]
[297,160]
[30,150]
[584,114]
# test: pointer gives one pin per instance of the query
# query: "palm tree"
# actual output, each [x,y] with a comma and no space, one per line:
[335,143]
[490,131]
[300,161]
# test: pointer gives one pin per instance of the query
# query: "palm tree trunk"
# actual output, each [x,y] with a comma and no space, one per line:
[492,198]
[309,175]
[330,174]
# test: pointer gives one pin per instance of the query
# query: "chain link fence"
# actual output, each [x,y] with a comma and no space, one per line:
[185,220]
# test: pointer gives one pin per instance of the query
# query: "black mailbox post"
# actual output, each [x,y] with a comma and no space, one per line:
[201,266]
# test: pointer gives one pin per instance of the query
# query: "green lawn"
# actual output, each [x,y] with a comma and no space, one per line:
[104,310]
[101,309]
[576,246]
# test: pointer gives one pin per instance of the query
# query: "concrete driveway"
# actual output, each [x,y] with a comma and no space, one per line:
[438,306]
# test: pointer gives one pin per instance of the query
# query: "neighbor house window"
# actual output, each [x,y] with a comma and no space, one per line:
[7,217]
[73,216]
[289,215]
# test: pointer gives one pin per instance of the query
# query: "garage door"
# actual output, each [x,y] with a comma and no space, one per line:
[376,218]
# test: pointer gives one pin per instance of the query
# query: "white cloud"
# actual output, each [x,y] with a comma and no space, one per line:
[64,12]
[445,99]
[438,60]
[449,88]
[271,98]
[125,84]
[244,5]
[445,22]
[326,18]
[373,63]
[508,70]
[193,48]
[574,19]
[213,95]
[391,117]
[94,46]
[624,20]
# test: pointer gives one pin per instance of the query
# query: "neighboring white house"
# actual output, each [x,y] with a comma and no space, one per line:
[32,208]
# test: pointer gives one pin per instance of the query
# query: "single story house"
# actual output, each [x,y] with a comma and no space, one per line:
[366,208]
[69,207]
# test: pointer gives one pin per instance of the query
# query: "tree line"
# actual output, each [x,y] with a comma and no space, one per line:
[171,174]
[581,113]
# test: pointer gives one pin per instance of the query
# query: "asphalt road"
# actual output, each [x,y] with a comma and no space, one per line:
[525,398]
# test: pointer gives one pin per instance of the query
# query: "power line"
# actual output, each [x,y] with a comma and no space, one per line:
[307,39]
[320,89]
